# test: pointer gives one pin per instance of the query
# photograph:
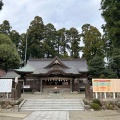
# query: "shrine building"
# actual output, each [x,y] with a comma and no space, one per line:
[43,75]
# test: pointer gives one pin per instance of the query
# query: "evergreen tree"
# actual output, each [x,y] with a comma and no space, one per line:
[111,14]
[8,53]
[74,38]
[96,66]
[93,43]
[49,41]
[5,27]
[1,4]
[35,38]
[62,43]
[114,62]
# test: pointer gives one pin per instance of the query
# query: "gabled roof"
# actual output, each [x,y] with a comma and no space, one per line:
[56,61]
[44,66]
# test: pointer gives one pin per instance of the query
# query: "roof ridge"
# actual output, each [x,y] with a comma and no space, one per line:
[61,59]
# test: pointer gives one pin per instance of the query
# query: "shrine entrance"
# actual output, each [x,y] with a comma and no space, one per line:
[62,84]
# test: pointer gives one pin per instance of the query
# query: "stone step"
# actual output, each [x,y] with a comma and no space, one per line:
[52,104]
[52,107]
[37,103]
[53,100]
[55,109]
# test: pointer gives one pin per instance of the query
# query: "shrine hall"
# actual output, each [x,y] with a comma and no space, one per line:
[43,75]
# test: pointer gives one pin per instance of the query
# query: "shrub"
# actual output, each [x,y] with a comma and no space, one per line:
[2,103]
[95,106]
[97,101]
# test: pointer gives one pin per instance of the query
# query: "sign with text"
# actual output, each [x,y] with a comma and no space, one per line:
[106,85]
[5,85]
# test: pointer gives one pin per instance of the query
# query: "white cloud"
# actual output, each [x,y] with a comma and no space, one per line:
[61,13]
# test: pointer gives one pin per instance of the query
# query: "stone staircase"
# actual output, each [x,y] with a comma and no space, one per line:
[52,105]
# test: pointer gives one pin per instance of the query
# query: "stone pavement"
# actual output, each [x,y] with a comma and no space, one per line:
[48,115]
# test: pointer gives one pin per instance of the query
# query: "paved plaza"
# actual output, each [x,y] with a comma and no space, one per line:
[59,115]
[48,115]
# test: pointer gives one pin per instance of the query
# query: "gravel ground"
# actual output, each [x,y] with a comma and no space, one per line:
[83,115]
[10,118]
[95,115]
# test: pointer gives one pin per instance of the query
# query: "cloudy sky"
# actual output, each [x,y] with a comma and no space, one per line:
[61,13]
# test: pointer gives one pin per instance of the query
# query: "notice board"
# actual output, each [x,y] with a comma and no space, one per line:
[106,85]
[5,85]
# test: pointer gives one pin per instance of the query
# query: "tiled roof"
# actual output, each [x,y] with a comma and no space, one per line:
[27,68]
[38,66]
[10,74]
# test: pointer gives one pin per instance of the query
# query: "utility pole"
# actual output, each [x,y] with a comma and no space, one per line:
[26,49]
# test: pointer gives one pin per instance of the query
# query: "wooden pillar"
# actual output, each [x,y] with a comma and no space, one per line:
[71,89]
[24,83]
[41,90]
[23,86]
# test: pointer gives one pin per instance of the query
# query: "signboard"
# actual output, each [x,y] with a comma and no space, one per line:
[5,85]
[106,85]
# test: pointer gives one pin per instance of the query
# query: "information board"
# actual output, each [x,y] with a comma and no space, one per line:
[5,85]
[106,85]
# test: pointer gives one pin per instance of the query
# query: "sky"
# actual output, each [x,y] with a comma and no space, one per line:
[60,13]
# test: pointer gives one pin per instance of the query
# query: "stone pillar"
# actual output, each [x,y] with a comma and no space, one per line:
[88,91]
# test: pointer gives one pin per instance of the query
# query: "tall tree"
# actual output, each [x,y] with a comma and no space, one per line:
[114,62]
[49,41]
[1,4]
[15,37]
[93,43]
[5,27]
[35,37]
[96,66]
[111,14]
[74,38]
[108,48]
[8,53]
[62,42]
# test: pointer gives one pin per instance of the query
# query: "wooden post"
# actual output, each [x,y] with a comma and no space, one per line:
[41,85]
[23,86]
[71,85]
